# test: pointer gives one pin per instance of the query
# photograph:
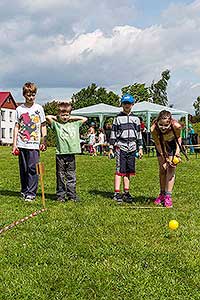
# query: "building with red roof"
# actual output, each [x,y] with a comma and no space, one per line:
[7,117]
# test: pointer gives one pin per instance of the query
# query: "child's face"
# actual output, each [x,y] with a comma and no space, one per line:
[164,125]
[64,116]
[127,107]
[30,97]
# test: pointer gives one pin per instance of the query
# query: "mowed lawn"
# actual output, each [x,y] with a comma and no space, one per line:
[97,249]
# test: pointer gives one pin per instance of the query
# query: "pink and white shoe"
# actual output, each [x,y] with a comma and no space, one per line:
[159,200]
[168,201]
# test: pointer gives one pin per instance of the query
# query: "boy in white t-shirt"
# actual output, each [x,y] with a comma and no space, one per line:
[29,137]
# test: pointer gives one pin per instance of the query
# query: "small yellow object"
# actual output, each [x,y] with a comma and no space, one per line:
[173,224]
[175,160]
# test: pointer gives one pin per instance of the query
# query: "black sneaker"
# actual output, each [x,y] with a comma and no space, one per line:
[60,199]
[76,199]
[117,197]
[127,198]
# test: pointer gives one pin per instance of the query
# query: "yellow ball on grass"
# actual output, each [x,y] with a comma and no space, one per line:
[173,224]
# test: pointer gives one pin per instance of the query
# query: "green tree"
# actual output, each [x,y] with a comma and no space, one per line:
[196,106]
[158,90]
[50,108]
[94,95]
[138,91]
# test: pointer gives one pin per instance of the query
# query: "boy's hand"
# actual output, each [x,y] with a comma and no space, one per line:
[15,151]
[140,153]
[43,147]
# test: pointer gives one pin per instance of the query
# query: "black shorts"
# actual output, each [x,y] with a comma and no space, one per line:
[125,163]
[170,148]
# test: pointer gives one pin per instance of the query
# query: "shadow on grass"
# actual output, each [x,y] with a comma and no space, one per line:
[140,199]
[11,193]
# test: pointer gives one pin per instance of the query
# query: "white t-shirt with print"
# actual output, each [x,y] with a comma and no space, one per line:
[29,120]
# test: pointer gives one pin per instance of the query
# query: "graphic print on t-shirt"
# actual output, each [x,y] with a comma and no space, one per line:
[30,127]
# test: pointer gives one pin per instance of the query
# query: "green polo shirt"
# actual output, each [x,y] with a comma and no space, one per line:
[67,137]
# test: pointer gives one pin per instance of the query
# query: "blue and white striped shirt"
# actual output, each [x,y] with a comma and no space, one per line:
[126,133]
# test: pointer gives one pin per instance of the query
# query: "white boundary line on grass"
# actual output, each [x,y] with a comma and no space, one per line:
[35,213]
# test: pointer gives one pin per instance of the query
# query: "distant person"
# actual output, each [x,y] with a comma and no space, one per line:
[166,133]
[108,129]
[183,134]
[29,137]
[101,141]
[92,140]
[144,134]
[66,128]
[126,138]
[191,135]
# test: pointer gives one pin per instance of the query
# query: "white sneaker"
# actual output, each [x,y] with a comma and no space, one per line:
[29,198]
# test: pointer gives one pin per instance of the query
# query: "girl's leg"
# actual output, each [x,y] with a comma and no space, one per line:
[162,178]
[162,174]
[170,178]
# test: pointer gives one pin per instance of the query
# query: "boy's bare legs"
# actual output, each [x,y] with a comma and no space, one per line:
[117,182]
[117,195]
[126,182]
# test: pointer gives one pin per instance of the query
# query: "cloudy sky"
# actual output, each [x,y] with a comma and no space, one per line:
[65,45]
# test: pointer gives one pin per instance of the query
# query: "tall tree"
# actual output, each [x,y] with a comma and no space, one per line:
[196,106]
[94,95]
[158,90]
[138,91]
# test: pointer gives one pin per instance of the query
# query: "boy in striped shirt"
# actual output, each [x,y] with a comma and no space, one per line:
[126,137]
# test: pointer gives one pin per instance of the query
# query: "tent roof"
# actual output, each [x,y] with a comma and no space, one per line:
[153,108]
[97,109]
[110,110]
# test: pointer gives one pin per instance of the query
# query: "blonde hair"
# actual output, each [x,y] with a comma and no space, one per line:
[29,87]
[64,107]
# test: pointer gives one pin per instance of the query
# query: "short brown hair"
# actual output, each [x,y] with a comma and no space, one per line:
[64,107]
[29,87]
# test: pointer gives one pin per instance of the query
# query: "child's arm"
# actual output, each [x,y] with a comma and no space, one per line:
[43,144]
[15,133]
[77,118]
[51,118]
[156,139]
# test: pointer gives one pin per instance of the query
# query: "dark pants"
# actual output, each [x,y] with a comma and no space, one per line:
[66,176]
[28,174]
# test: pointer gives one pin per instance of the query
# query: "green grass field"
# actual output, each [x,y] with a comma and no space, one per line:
[97,249]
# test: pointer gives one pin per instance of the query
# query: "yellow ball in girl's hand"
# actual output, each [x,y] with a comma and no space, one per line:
[173,224]
[175,160]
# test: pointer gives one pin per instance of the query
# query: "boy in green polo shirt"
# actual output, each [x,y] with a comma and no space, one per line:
[66,128]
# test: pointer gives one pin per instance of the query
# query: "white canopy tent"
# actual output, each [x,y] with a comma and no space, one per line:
[103,111]
[152,109]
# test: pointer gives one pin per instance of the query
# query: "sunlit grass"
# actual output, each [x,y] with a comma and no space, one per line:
[97,249]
